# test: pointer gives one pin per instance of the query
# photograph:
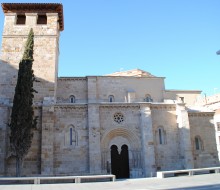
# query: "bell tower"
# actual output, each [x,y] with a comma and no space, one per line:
[46,19]
[47,22]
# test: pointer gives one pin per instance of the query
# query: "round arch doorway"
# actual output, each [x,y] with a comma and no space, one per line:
[120,161]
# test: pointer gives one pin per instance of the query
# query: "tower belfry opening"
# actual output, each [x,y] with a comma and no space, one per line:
[42,19]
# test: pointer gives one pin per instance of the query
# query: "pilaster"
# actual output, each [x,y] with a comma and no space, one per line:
[94,139]
[185,141]
[47,140]
[147,141]
[92,89]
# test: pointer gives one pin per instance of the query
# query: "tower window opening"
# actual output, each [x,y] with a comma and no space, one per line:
[42,19]
[72,99]
[21,19]
[111,98]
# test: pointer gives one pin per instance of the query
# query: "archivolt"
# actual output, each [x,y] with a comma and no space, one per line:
[129,135]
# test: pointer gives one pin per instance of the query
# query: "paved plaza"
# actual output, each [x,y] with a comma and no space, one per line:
[199,182]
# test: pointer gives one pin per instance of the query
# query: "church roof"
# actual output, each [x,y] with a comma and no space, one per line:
[133,73]
[35,8]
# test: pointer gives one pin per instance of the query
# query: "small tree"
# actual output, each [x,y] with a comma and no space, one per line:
[22,116]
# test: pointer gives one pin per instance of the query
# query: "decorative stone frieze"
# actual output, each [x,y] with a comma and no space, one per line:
[170,107]
[201,114]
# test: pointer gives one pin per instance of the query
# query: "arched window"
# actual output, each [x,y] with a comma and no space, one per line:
[72,99]
[198,143]
[111,98]
[71,137]
[148,98]
[161,135]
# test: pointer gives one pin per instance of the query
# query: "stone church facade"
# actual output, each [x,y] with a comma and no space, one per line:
[125,123]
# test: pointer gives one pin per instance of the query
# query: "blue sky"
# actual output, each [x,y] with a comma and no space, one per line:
[176,39]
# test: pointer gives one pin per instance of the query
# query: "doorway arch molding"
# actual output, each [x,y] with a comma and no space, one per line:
[132,138]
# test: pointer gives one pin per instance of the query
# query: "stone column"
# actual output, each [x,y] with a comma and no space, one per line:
[185,140]
[94,139]
[47,140]
[147,141]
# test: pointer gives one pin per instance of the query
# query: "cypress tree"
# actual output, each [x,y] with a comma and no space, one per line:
[22,117]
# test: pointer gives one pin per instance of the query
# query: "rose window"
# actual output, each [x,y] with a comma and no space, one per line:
[118,118]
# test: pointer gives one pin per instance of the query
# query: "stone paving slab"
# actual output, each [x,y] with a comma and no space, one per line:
[199,182]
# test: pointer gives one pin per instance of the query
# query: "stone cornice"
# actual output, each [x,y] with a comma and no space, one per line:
[71,78]
[86,77]
[70,106]
[143,77]
[184,91]
[201,114]
[116,105]
[163,107]
[11,105]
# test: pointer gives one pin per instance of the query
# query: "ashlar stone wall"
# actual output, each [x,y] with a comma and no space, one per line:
[202,126]
[32,161]
[166,137]
[46,39]
[74,86]
[70,153]
[119,87]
